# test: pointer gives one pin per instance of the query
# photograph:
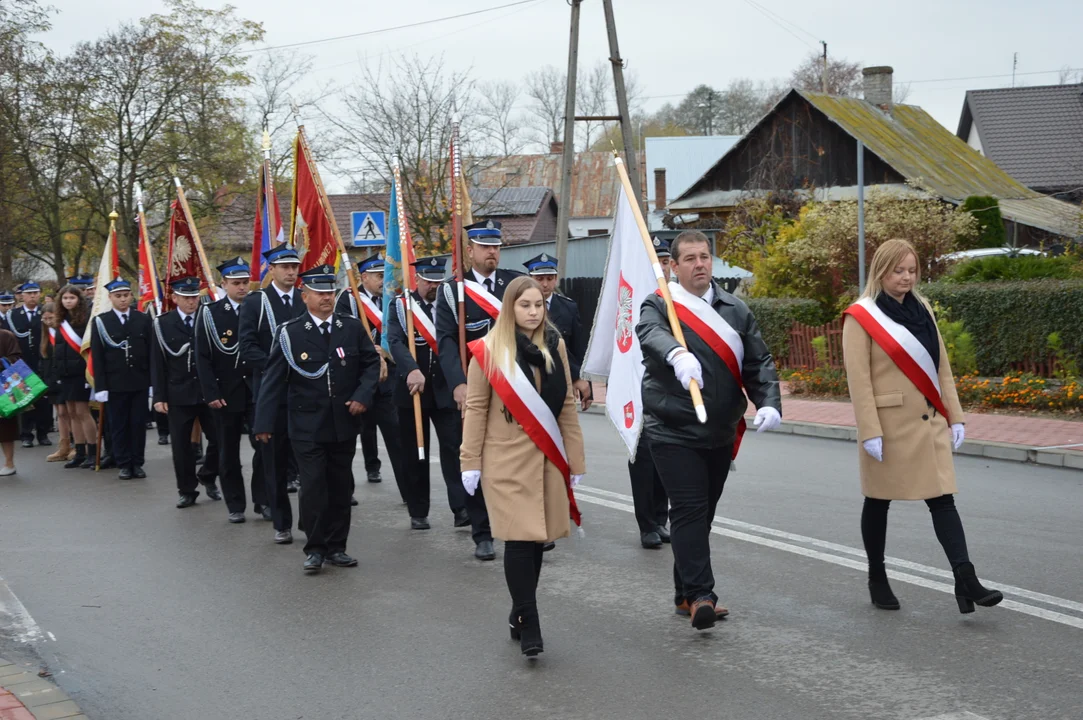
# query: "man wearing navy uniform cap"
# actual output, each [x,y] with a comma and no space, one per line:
[25,322]
[425,378]
[382,414]
[484,281]
[260,315]
[325,371]
[7,304]
[177,391]
[120,350]
[224,378]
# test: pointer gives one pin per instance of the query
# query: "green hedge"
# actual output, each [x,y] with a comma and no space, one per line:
[1011,321]
[776,316]
[1021,267]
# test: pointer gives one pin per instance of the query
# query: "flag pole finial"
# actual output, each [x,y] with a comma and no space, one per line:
[114,215]
[266,140]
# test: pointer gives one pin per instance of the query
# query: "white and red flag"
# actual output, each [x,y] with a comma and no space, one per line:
[614,354]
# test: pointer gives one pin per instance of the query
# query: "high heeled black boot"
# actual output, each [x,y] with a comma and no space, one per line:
[530,639]
[969,590]
[880,591]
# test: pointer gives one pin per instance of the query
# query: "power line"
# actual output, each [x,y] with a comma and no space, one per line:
[783,23]
[389,29]
[988,77]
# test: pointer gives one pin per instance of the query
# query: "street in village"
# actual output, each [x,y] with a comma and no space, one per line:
[144,612]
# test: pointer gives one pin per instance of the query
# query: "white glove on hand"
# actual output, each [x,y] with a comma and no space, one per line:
[687,368]
[767,418]
[102,396]
[471,480]
[875,448]
[576,479]
[958,434]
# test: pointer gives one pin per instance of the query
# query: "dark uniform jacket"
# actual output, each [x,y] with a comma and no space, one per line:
[346,305]
[67,363]
[260,315]
[4,325]
[223,373]
[173,361]
[30,343]
[564,314]
[125,368]
[437,393]
[316,377]
[669,415]
[478,322]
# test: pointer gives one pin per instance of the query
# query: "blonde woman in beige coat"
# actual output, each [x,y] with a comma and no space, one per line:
[895,359]
[528,498]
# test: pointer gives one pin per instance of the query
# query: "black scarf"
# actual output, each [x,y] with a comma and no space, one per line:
[912,314]
[528,356]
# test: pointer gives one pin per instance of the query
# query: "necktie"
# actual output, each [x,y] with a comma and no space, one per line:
[286,302]
[124,319]
[325,330]
[188,322]
[488,284]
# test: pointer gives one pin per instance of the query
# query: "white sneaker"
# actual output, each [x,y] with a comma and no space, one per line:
[5,471]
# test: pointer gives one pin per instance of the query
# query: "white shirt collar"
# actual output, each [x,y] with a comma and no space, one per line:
[30,312]
[317,321]
[709,295]
[232,304]
[282,294]
[122,315]
[482,278]
[183,315]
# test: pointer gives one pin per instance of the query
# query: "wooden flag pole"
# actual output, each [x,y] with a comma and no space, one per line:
[663,287]
[457,238]
[407,301]
[145,239]
[195,238]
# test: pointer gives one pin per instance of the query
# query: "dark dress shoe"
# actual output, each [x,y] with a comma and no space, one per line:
[213,492]
[313,563]
[125,474]
[108,462]
[28,443]
[485,551]
[285,537]
[237,517]
[546,547]
[462,517]
[293,486]
[44,441]
[663,533]
[186,501]
[374,476]
[419,524]
[685,610]
[353,501]
[650,540]
[163,439]
[138,472]
[341,559]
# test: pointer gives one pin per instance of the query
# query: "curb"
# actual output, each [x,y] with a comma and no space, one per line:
[25,695]
[975,448]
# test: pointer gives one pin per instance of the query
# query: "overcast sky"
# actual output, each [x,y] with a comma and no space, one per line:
[672,45]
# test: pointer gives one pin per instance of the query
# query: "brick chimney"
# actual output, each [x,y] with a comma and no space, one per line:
[878,86]
[660,189]
[556,148]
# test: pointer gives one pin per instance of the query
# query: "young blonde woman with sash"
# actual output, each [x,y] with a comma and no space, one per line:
[908,418]
[523,444]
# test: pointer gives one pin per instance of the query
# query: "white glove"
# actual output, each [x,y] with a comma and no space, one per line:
[875,448]
[102,396]
[687,368]
[471,480]
[958,434]
[576,479]
[767,418]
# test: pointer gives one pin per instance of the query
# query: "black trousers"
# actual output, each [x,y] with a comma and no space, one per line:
[181,420]
[693,479]
[947,525]
[161,423]
[275,461]
[209,466]
[384,415]
[231,426]
[448,426]
[38,420]
[522,570]
[648,495]
[127,415]
[326,489]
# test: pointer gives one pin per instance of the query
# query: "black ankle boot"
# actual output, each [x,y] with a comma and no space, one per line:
[530,639]
[79,459]
[880,590]
[969,590]
[515,625]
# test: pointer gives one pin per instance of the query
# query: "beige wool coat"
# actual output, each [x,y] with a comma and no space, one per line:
[918,462]
[524,492]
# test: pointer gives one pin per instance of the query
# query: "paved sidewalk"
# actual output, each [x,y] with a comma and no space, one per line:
[24,695]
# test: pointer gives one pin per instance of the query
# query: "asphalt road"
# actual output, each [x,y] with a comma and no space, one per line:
[145,612]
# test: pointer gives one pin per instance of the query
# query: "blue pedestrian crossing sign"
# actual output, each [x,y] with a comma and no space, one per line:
[369,228]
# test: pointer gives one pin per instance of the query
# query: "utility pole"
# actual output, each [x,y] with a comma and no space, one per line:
[568,161]
[823,75]
[1015,64]
[622,102]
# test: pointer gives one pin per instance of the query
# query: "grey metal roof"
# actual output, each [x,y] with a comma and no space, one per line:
[497,202]
[1035,134]
[685,160]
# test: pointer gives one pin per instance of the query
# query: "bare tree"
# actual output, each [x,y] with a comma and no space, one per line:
[501,126]
[547,90]
[1070,75]
[843,77]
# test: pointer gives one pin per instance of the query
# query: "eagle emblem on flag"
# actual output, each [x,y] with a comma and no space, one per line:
[625,328]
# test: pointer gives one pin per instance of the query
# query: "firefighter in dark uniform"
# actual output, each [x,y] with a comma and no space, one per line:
[25,322]
[325,371]
[225,381]
[7,304]
[177,391]
[382,414]
[261,313]
[425,378]
[120,350]
[483,252]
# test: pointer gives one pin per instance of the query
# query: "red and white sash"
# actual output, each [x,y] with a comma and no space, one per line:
[702,319]
[52,336]
[905,350]
[422,324]
[485,299]
[72,338]
[374,314]
[525,404]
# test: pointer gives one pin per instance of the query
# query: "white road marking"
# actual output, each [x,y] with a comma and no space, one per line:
[15,621]
[964,715]
[588,495]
